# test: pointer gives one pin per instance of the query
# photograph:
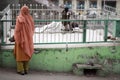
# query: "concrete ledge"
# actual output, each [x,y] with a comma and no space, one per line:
[87,66]
[86,69]
[67,45]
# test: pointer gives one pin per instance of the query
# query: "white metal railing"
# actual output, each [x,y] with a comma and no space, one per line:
[112,11]
[109,8]
[50,31]
[40,11]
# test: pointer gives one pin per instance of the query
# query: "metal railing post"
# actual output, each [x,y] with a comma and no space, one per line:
[84,31]
[2,33]
[106,30]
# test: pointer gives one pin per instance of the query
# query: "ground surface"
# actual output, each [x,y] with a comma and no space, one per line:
[10,74]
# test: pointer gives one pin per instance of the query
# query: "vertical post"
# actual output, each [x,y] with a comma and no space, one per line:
[2,33]
[74,5]
[84,31]
[86,2]
[106,30]
[61,2]
[104,4]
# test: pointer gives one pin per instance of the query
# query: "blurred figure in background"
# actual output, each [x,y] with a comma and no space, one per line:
[66,16]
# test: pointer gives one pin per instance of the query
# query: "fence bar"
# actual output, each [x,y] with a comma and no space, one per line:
[84,31]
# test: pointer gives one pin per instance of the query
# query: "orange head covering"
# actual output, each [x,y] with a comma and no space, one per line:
[24,31]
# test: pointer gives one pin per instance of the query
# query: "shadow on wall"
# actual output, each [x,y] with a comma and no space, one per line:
[4,3]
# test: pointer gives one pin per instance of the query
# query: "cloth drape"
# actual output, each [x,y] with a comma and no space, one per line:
[24,31]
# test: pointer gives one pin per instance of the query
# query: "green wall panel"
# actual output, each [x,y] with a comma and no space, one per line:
[60,60]
[8,59]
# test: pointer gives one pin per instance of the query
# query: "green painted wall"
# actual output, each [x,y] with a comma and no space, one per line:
[61,60]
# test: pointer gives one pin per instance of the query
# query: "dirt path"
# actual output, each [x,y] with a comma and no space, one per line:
[10,74]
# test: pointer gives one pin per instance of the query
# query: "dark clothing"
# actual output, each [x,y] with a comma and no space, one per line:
[74,25]
[65,15]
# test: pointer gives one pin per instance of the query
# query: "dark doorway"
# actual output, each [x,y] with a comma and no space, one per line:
[109,3]
[89,72]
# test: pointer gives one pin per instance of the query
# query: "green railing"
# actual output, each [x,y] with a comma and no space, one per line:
[51,31]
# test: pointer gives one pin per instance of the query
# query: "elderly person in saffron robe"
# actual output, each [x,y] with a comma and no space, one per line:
[23,36]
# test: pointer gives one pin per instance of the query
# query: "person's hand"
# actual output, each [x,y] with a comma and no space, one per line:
[12,39]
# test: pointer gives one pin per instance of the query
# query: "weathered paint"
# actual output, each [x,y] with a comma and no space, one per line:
[61,60]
